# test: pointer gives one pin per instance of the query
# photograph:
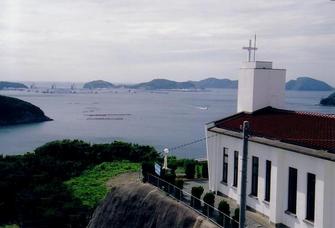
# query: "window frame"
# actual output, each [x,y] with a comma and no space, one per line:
[235,178]
[310,193]
[254,176]
[225,165]
[292,190]
[268,169]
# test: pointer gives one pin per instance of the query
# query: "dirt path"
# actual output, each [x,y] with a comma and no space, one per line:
[123,179]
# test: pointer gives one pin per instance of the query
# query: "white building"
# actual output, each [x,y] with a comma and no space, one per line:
[291,161]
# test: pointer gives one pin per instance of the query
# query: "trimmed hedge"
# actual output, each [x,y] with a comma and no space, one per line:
[225,209]
[196,194]
[205,170]
[190,169]
[209,198]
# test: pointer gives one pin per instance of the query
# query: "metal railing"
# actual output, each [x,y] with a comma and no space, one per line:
[208,211]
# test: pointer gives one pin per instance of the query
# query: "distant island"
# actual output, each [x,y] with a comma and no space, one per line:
[15,111]
[163,84]
[202,84]
[98,84]
[216,83]
[308,84]
[329,101]
[12,85]
[300,84]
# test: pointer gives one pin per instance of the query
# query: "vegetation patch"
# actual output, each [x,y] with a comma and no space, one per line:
[40,189]
[188,167]
[90,187]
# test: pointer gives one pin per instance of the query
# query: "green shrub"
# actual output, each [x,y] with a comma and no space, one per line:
[224,218]
[169,177]
[224,207]
[196,194]
[148,167]
[236,214]
[190,169]
[209,198]
[172,162]
[180,184]
[236,218]
[205,170]
[198,171]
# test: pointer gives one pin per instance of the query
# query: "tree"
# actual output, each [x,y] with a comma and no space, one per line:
[190,169]
[205,170]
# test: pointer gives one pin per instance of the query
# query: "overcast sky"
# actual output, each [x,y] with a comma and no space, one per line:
[133,41]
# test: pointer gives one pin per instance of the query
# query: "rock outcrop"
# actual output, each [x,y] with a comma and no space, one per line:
[138,205]
[329,101]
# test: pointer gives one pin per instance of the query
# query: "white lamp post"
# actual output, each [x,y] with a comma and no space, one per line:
[166,151]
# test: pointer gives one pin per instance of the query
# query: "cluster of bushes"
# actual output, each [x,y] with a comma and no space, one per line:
[209,198]
[148,172]
[32,189]
[196,192]
[190,167]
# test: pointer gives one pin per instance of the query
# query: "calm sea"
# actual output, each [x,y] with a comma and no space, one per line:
[161,119]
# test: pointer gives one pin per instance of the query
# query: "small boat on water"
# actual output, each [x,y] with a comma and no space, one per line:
[202,107]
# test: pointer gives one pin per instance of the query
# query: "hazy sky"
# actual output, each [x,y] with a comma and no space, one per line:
[132,41]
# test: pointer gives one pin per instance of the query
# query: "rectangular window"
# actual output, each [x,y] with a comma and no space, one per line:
[292,190]
[235,169]
[225,166]
[310,197]
[254,178]
[267,180]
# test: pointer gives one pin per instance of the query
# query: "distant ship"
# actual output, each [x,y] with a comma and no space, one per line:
[202,107]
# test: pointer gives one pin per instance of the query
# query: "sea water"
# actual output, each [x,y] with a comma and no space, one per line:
[161,119]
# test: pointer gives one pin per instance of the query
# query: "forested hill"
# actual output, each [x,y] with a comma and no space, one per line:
[16,111]
[98,84]
[202,84]
[308,84]
[12,85]
[163,84]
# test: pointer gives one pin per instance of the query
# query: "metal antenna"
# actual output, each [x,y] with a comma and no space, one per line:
[250,49]
[255,48]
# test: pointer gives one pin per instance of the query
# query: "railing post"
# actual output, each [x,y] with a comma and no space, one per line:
[223,219]
[207,210]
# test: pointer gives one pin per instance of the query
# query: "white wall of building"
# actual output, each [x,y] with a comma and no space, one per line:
[260,86]
[281,161]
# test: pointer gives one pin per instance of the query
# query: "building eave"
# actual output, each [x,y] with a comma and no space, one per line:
[278,144]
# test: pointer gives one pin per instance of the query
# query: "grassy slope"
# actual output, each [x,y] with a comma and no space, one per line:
[9,226]
[90,187]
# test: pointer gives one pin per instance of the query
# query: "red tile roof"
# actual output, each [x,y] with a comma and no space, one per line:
[311,130]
